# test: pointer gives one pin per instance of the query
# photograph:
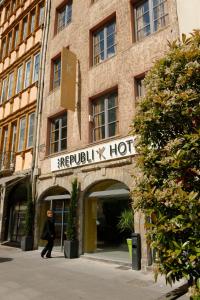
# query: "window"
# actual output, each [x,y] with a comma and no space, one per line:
[13,142]
[104,43]
[31,120]
[24,28]
[4,148]
[150,15]
[3,51]
[105,117]
[58,134]
[32,22]
[19,79]
[16,37]
[10,85]
[5,140]
[7,12]
[22,128]
[9,42]
[41,15]
[27,75]
[13,5]
[140,89]
[36,67]
[56,72]
[4,90]
[64,16]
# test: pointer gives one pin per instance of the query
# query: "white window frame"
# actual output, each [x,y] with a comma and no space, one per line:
[61,127]
[151,17]
[104,29]
[106,117]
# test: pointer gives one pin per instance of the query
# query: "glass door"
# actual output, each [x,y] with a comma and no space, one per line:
[60,211]
[18,219]
[60,216]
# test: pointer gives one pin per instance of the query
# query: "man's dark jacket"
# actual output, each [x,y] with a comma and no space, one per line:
[48,230]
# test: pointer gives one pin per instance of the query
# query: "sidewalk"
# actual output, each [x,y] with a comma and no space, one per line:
[25,275]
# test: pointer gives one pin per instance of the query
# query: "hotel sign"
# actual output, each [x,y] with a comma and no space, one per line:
[96,154]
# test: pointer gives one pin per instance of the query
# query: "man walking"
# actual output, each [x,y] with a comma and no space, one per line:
[48,234]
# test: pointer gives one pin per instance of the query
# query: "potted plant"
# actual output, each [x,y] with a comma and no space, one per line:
[27,239]
[71,242]
[126,224]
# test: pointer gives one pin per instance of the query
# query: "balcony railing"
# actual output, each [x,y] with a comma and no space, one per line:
[7,161]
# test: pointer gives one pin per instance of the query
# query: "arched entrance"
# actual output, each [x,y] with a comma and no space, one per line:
[56,199]
[16,210]
[104,203]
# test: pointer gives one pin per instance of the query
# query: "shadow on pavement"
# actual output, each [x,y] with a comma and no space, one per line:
[5,259]
[175,294]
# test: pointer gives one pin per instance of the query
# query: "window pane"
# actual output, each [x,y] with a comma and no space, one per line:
[32,25]
[21,134]
[19,79]
[24,32]
[112,129]
[57,73]
[64,16]
[112,101]
[27,74]
[143,20]
[9,42]
[112,115]
[63,144]
[4,90]
[10,85]
[30,130]
[58,135]
[99,133]
[13,141]
[36,67]
[41,15]
[16,36]
[160,15]
[105,117]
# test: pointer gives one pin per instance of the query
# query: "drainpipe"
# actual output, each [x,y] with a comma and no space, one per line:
[43,53]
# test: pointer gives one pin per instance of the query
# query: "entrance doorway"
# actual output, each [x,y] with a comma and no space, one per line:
[58,203]
[104,204]
[16,212]
[17,222]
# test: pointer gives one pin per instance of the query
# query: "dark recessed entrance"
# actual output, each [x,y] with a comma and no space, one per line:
[104,203]
[16,211]
[108,214]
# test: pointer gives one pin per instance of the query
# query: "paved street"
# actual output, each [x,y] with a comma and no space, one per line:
[25,275]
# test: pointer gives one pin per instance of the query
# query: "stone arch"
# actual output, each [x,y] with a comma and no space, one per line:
[57,198]
[52,190]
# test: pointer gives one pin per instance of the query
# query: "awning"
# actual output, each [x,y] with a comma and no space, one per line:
[10,179]
[58,197]
[110,193]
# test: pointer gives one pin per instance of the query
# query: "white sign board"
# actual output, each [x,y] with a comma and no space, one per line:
[96,154]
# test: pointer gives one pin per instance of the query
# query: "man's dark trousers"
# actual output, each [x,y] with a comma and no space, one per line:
[48,248]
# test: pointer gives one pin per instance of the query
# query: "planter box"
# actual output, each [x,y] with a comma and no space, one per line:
[27,243]
[71,249]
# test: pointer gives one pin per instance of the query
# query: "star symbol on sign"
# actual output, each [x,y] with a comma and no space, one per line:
[100,152]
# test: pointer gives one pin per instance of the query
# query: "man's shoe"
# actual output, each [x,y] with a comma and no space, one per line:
[48,256]
[42,255]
